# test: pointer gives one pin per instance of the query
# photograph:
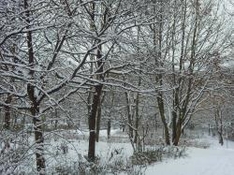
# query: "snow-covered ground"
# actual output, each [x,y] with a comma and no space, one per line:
[215,160]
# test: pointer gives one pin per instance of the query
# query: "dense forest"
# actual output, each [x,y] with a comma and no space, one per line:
[154,69]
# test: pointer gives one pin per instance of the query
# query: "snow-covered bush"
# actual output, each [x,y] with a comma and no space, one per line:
[88,168]
[15,152]
[152,155]
[146,157]
[174,151]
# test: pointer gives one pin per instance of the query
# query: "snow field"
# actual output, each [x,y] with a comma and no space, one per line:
[216,160]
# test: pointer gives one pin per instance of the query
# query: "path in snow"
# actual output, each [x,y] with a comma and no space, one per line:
[216,160]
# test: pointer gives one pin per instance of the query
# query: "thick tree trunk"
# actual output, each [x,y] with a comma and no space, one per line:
[94,108]
[174,129]
[92,122]
[178,133]
[177,139]
[98,123]
[167,135]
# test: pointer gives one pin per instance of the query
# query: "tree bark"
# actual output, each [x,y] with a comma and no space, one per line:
[163,118]
[38,133]
[94,107]
[108,128]
[7,118]
[129,114]
[158,40]
[178,132]
[110,114]
[98,123]
[39,139]
[92,122]
[174,129]
[99,116]
[137,120]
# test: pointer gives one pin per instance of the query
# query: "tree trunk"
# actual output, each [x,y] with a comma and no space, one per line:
[7,118]
[137,119]
[94,108]
[163,118]
[167,135]
[174,129]
[129,114]
[220,138]
[98,117]
[108,128]
[39,140]
[92,122]
[178,133]
[158,40]
[38,133]
[219,123]
[98,122]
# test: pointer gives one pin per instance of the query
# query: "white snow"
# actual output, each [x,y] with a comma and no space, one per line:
[216,160]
